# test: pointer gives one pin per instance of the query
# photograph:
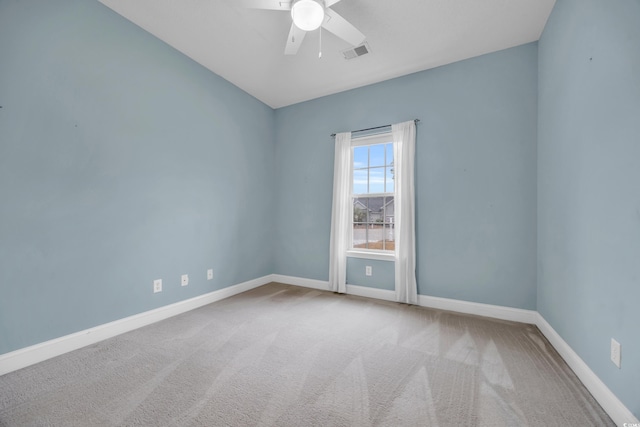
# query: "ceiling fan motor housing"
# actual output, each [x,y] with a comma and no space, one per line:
[308,14]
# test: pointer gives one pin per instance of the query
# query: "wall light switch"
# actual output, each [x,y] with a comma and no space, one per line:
[210,274]
[157,286]
[185,280]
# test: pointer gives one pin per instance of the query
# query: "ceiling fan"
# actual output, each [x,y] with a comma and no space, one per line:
[309,15]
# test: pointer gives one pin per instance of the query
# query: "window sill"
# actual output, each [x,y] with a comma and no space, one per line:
[371,255]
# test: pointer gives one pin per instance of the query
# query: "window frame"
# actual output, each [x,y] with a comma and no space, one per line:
[385,137]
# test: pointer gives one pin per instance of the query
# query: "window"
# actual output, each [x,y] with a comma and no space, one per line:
[373,194]
[370,176]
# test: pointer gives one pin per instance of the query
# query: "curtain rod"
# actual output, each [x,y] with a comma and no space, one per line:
[333,135]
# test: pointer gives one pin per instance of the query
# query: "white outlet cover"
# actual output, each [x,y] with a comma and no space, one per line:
[185,280]
[615,352]
[368,270]
[210,274]
[157,286]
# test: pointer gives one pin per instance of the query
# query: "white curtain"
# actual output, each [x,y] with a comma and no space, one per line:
[340,214]
[404,147]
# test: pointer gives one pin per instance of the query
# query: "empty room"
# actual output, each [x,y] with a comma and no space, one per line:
[319,213]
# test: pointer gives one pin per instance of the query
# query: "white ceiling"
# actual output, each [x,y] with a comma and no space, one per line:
[246,46]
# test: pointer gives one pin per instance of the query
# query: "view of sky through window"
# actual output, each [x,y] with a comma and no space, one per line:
[373,169]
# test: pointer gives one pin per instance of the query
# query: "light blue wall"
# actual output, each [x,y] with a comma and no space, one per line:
[382,273]
[475,178]
[589,185]
[121,161]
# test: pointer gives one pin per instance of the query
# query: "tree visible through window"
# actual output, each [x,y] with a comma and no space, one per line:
[373,196]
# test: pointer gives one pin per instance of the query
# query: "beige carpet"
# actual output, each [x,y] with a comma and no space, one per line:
[287,356]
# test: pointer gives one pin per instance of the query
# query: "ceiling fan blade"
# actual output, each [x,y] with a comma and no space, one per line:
[329,3]
[267,4]
[342,28]
[294,40]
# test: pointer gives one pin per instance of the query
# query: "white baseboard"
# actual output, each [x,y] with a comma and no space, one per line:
[479,309]
[486,310]
[27,356]
[323,285]
[618,412]
[365,291]
[300,281]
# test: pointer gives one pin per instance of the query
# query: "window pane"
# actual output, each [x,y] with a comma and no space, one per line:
[389,148]
[363,205]
[389,236]
[360,210]
[376,180]
[376,155]
[376,206]
[376,236]
[360,157]
[373,223]
[360,236]
[390,181]
[360,181]
[389,210]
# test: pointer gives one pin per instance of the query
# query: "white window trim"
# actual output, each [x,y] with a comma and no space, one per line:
[379,138]
[371,254]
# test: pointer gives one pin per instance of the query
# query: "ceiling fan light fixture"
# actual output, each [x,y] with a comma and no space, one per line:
[307,14]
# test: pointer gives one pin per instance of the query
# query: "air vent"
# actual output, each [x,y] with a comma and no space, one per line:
[355,52]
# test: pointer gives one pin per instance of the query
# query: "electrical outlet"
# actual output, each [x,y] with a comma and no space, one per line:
[210,274]
[185,280]
[615,352]
[368,271]
[157,286]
